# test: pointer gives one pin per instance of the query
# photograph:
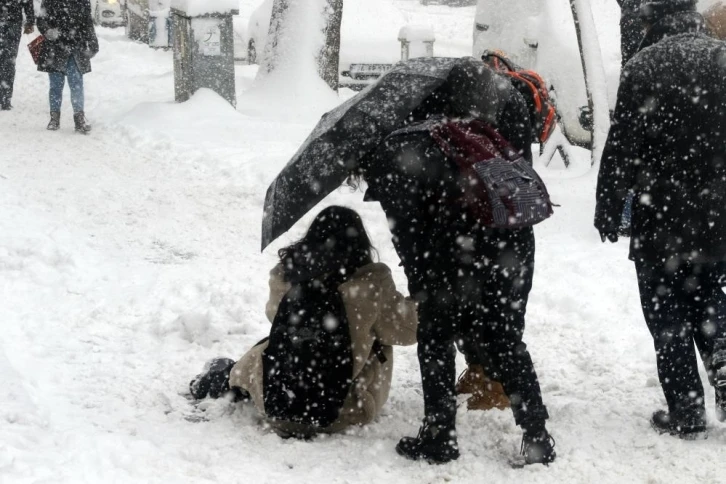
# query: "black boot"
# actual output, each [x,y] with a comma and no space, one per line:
[79,119]
[538,446]
[435,443]
[6,106]
[54,123]
[690,428]
[214,379]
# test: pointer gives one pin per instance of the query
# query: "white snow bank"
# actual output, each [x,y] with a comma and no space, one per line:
[192,116]
[205,7]
[288,79]
[369,32]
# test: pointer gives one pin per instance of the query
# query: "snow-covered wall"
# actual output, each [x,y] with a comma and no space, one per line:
[205,7]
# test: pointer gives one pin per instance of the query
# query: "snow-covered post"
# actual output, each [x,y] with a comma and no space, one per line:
[159,28]
[203,47]
[595,80]
[416,41]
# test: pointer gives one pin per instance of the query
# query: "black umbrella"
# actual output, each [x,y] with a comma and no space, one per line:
[454,86]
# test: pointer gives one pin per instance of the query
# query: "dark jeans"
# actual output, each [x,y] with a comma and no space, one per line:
[683,306]
[627,216]
[75,83]
[10,33]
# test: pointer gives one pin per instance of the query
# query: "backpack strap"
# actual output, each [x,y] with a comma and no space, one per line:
[377,351]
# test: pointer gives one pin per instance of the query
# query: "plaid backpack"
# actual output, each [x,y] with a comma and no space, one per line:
[498,186]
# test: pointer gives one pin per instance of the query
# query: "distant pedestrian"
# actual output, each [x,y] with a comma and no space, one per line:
[11,25]
[667,144]
[70,43]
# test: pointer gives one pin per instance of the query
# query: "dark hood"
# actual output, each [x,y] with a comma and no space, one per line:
[675,24]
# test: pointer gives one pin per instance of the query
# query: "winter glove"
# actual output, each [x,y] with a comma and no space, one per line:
[28,29]
[611,236]
[92,48]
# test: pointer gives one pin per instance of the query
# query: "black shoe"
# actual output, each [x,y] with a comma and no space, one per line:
[435,443]
[79,119]
[688,429]
[54,123]
[538,448]
[6,107]
[214,379]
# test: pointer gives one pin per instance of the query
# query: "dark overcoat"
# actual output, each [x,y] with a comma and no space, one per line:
[428,231]
[668,144]
[67,26]
[11,12]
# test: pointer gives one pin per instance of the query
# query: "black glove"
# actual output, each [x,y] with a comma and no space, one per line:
[611,236]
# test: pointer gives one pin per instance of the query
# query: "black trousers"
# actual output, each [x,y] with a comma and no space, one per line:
[472,284]
[483,304]
[682,306]
[10,33]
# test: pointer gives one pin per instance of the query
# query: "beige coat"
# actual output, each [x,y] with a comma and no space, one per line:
[375,310]
[716,20]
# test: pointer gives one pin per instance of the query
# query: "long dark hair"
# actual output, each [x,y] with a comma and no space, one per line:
[336,244]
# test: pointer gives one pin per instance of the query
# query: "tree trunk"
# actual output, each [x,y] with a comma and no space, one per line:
[300,30]
[278,19]
[329,58]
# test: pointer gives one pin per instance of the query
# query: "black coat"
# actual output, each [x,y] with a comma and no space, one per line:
[11,11]
[412,192]
[668,144]
[67,26]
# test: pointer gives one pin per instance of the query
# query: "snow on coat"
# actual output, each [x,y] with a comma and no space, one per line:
[668,144]
[376,311]
[67,26]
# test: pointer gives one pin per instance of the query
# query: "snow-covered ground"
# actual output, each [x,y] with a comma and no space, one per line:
[131,256]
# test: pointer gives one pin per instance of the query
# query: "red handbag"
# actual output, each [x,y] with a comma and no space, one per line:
[34,48]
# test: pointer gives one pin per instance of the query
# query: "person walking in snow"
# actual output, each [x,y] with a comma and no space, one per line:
[70,43]
[335,250]
[11,25]
[471,283]
[668,145]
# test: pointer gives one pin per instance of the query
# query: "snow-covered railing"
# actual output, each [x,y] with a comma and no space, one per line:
[416,41]
[198,8]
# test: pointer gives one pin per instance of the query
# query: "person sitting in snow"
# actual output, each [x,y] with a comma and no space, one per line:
[307,377]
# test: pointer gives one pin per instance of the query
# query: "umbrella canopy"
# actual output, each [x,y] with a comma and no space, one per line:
[345,135]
